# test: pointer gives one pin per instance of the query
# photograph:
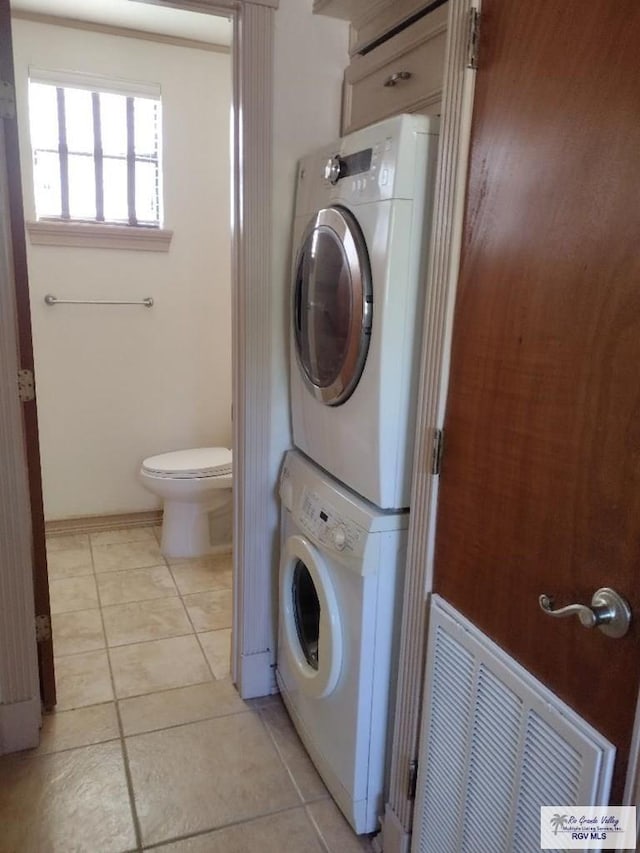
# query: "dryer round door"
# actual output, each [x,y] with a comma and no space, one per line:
[310,620]
[332,305]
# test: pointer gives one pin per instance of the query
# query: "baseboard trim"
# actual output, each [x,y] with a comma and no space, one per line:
[256,675]
[98,523]
[20,725]
[395,839]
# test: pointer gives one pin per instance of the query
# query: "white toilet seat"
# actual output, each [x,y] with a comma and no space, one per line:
[195,487]
[198,463]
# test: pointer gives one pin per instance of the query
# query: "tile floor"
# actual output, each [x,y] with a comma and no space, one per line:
[150,746]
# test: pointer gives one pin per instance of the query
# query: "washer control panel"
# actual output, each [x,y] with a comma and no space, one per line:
[323,523]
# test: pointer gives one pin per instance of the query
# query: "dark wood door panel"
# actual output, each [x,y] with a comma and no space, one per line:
[30,413]
[540,483]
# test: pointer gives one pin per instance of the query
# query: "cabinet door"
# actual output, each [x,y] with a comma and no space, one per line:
[404,74]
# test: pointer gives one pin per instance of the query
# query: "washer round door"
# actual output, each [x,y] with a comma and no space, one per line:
[310,621]
[332,305]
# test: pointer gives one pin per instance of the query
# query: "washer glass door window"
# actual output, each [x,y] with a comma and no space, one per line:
[333,305]
[311,640]
[306,611]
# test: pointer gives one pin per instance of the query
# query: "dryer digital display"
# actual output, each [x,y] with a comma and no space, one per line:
[356,164]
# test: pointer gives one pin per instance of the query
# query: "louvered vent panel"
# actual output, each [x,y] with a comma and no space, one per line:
[495,746]
[450,712]
[550,773]
[498,713]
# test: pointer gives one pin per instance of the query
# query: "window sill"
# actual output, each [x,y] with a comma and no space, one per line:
[88,235]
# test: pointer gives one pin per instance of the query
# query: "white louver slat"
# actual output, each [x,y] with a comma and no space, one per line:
[495,745]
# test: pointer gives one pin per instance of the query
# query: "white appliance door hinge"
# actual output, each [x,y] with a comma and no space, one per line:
[474,37]
[436,456]
[43,629]
[26,386]
[7,100]
[412,779]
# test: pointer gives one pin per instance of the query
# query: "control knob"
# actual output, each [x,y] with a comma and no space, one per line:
[339,537]
[335,169]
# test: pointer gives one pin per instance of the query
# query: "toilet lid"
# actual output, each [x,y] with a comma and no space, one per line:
[182,464]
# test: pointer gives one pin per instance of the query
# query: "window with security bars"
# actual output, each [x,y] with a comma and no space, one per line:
[96,155]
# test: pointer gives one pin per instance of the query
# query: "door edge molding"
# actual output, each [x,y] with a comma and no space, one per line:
[19,681]
[441,282]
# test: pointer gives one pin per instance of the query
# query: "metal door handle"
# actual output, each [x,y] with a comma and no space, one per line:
[394,79]
[609,612]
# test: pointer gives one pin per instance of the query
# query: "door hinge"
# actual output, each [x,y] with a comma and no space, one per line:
[26,387]
[7,100]
[436,455]
[412,779]
[474,37]
[43,629]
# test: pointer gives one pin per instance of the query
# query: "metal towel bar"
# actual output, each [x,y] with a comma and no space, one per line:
[53,300]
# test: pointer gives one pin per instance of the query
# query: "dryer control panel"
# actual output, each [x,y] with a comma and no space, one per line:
[323,523]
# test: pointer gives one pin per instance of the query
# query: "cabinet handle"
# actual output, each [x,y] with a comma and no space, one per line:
[393,79]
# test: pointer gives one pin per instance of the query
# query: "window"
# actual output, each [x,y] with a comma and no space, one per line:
[96,152]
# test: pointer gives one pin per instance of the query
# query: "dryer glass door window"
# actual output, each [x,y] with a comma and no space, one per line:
[333,305]
[306,609]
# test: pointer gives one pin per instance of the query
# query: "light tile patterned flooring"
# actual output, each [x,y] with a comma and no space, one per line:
[150,746]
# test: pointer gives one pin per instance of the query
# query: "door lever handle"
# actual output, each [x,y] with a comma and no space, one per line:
[609,612]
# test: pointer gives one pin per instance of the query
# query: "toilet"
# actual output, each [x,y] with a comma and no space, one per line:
[195,486]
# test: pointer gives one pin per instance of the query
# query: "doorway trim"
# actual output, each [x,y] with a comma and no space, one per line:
[252,652]
[440,286]
[253,644]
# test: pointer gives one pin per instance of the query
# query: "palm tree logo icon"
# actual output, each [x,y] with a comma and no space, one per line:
[557,822]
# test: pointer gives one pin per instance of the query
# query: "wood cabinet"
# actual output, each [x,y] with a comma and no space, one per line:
[403,74]
[397,50]
[372,20]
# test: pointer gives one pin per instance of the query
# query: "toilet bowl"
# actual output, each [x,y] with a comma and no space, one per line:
[195,486]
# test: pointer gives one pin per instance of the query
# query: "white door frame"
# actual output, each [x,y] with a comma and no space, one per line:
[255,522]
[253,641]
[441,284]
[254,526]
[19,683]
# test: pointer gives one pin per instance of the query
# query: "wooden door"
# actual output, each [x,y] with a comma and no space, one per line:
[540,483]
[40,575]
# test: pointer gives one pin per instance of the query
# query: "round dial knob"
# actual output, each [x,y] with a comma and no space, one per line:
[334,170]
[339,536]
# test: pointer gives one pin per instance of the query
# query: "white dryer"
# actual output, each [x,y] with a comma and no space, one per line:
[340,572]
[361,227]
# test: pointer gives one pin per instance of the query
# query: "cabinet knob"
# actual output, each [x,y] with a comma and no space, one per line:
[394,79]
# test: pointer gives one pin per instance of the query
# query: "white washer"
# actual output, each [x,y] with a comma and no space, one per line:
[340,573]
[360,234]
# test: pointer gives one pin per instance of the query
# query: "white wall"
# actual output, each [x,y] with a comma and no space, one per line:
[117,384]
[311,53]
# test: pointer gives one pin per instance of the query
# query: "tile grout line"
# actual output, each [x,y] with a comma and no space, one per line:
[196,633]
[230,825]
[186,610]
[304,804]
[123,749]
[188,722]
[289,773]
[323,842]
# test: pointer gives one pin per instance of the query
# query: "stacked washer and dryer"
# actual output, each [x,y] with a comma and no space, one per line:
[360,231]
